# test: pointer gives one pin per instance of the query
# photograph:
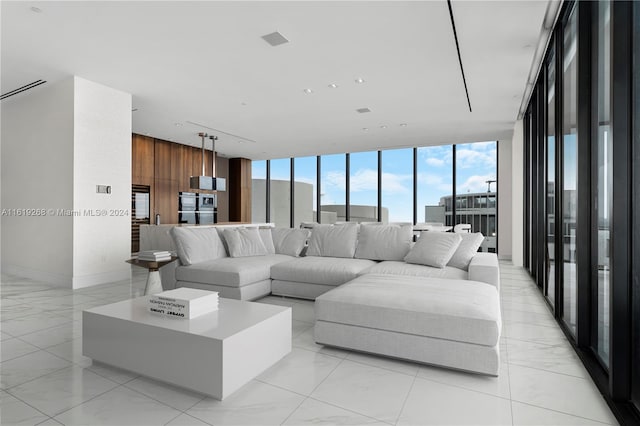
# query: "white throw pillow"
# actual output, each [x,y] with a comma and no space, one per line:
[267,239]
[244,242]
[333,241]
[195,245]
[434,248]
[384,242]
[289,241]
[466,250]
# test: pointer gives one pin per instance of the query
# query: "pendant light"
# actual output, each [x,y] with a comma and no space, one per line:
[209,183]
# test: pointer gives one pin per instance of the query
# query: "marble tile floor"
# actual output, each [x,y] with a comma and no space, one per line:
[45,380]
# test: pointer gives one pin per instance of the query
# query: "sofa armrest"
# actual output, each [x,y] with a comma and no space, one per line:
[484,267]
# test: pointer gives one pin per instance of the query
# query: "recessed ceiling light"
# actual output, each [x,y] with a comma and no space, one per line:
[134,109]
[383,127]
[403,124]
[36,9]
[365,128]
[363,110]
[178,124]
[359,80]
[333,85]
[275,39]
[308,91]
[243,103]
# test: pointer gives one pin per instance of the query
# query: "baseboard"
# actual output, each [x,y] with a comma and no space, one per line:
[101,278]
[58,280]
[504,257]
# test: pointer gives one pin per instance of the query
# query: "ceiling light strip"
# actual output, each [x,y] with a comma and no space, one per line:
[455,36]
[22,89]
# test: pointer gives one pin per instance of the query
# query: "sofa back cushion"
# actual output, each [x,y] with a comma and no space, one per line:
[434,249]
[195,245]
[243,242]
[333,241]
[289,241]
[466,250]
[384,242]
[267,240]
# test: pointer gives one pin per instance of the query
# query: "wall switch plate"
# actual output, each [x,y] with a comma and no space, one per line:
[103,189]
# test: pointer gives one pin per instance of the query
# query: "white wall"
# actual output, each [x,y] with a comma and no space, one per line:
[517,210]
[37,173]
[102,156]
[505,197]
[58,142]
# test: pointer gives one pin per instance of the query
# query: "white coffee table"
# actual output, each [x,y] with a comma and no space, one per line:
[214,354]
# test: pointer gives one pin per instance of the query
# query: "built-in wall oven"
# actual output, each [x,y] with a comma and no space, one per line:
[187,207]
[207,209]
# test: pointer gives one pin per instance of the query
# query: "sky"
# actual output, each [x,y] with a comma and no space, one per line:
[476,163]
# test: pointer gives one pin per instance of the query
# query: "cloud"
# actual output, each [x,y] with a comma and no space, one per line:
[367,180]
[476,183]
[435,162]
[469,158]
[481,146]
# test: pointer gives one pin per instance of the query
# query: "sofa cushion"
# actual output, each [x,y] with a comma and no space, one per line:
[466,250]
[267,240]
[401,268]
[459,310]
[434,249]
[195,245]
[333,240]
[231,271]
[320,270]
[243,242]
[384,242]
[289,241]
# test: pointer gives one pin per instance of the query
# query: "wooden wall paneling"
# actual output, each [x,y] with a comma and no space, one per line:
[222,170]
[166,202]
[142,160]
[239,186]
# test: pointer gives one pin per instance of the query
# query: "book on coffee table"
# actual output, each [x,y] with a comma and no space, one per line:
[184,302]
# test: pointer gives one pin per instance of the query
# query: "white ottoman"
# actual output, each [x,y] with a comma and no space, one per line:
[446,322]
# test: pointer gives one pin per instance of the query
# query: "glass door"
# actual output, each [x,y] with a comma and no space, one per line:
[569,172]
[603,184]
[550,260]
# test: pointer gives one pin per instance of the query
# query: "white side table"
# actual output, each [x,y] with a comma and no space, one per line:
[154,283]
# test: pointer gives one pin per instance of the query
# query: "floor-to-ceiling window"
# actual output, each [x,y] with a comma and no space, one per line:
[258,191]
[435,184]
[363,187]
[280,192]
[304,190]
[476,189]
[551,176]
[397,184]
[570,171]
[333,187]
[604,182]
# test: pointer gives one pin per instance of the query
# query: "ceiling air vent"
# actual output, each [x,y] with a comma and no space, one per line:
[363,110]
[275,39]
[22,89]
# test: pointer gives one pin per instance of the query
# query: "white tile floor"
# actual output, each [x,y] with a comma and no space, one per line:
[45,379]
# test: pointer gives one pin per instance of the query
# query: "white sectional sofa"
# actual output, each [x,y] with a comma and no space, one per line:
[435,301]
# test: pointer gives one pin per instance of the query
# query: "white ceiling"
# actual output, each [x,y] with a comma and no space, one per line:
[205,62]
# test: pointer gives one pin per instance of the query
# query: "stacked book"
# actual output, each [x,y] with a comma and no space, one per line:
[154,255]
[184,302]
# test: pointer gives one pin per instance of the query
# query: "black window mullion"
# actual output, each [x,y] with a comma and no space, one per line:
[292,194]
[415,185]
[620,303]
[455,198]
[347,198]
[379,186]
[267,190]
[318,189]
